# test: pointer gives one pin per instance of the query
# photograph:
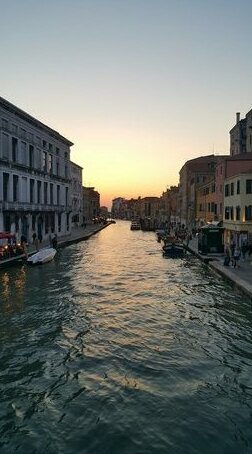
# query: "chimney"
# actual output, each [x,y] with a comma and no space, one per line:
[237,117]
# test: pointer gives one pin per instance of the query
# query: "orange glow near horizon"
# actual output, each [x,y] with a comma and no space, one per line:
[118,169]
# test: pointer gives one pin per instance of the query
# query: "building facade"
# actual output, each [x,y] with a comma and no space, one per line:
[77,193]
[35,186]
[206,208]
[238,208]
[91,204]
[194,173]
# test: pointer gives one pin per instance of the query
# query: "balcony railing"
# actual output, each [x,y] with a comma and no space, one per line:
[32,207]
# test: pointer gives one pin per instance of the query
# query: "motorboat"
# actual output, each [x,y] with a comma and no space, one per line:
[43,256]
[135,225]
[173,250]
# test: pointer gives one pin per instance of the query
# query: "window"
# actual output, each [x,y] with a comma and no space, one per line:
[248,213]
[45,193]
[238,187]
[232,189]
[39,191]
[213,207]
[44,143]
[23,153]
[14,148]
[5,186]
[231,213]
[57,168]
[5,144]
[31,156]
[58,194]
[66,155]
[227,193]
[24,189]
[15,188]
[32,183]
[66,197]
[51,193]
[50,147]
[226,213]
[57,151]
[248,186]
[38,158]
[50,164]
[44,164]
[66,172]
[238,213]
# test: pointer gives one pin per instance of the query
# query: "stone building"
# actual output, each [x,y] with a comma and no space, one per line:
[238,208]
[35,186]
[91,204]
[194,174]
[241,135]
[76,185]
[206,209]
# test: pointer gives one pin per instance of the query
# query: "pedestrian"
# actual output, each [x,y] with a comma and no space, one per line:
[54,241]
[227,256]
[23,241]
[237,256]
[244,250]
[35,241]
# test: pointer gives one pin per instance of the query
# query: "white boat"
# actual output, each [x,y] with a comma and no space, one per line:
[43,256]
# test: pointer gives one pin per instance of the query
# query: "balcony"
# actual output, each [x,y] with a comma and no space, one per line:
[32,207]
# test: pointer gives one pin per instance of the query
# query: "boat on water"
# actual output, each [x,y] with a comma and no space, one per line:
[173,247]
[43,256]
[135,225]
[173,250]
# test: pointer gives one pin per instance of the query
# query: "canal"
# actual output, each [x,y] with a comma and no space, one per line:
[113,349]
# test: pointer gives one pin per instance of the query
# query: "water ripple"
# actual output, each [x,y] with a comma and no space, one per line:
[113,349]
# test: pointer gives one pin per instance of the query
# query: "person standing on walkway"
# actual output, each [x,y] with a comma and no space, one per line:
[244,249]
[35,241]
[237,256]
[23,241]
[55,241]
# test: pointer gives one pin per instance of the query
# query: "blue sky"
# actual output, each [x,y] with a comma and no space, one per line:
[139,86]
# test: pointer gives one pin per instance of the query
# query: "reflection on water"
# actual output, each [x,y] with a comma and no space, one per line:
[12,289]
[112,349]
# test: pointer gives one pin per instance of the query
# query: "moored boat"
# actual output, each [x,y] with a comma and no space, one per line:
[173,250]
[43,256]
[135,225]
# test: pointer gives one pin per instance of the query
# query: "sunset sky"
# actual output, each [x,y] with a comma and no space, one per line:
[139,86]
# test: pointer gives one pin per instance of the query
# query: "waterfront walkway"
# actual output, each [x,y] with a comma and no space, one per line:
[240,277]
[77,234]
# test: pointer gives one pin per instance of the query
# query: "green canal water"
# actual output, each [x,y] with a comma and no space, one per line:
[112,348]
